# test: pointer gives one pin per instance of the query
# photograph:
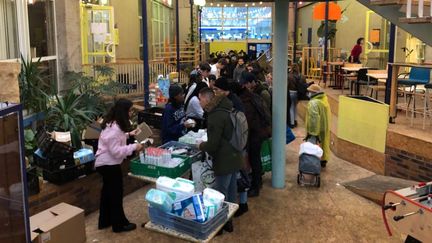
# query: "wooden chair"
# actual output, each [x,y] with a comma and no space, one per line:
[314,70]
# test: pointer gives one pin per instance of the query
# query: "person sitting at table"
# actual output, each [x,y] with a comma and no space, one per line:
[356,51]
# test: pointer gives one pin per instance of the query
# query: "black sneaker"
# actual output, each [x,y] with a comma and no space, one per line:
[228,227]
[103,226]
[125,228]
[323,163]
[243,208]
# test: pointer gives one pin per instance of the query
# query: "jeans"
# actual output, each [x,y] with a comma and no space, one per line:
[243,197]
[227,185]
[293,106]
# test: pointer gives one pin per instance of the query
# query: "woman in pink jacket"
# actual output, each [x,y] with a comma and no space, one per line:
[112,150]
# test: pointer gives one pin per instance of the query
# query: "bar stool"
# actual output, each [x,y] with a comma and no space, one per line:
[427,108]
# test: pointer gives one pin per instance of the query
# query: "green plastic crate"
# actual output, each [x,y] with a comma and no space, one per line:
[154,171]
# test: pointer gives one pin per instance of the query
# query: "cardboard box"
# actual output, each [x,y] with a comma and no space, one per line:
[62,223]
[93,130]
[145,133]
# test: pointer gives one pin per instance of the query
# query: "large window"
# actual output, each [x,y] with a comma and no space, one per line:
[236,23]
[8,30]
[41,22]
[161,25]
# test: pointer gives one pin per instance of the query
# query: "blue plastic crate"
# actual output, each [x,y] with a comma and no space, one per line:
[195,229]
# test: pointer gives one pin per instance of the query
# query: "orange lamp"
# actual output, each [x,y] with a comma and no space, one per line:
[335,12]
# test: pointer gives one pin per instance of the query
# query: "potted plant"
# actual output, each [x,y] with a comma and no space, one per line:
[33,86]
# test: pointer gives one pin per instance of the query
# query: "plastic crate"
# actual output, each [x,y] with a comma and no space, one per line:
[195,229]
[68,174]
[193,152]
[54,163]
[154,171]
[151,116]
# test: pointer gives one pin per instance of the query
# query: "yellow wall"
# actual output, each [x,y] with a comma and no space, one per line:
[126,19]
[227,46]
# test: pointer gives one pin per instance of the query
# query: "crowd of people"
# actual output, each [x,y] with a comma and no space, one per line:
[216,90]
[230,82]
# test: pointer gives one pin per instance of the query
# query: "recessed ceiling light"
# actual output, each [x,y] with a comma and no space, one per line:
[232,5]
[260,3]
[211,4]
[218,5]
[253,4]
[246,5]
[225,5]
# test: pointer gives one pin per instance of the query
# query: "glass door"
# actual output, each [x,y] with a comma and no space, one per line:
[97,34]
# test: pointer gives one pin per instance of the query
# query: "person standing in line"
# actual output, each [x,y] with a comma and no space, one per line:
[318,120]
[356,51]
[217,67]
[297,88]
[112,150]
[259,125]
[205,69]
[227,161]
[222,87]
[241,67]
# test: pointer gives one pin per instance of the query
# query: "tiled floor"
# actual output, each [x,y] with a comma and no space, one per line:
[294,214]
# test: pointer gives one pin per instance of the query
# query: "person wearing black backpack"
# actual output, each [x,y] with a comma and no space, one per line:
[227,160]
[259,121]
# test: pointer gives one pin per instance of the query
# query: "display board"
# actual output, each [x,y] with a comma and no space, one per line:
[363,121]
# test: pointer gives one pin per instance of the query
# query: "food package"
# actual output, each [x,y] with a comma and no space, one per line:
[83,156]
[159,199]
[177,190]
[214,197]
[191,208]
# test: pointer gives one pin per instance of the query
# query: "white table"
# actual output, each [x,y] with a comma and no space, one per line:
[353,69]
[381,77]
[232,208]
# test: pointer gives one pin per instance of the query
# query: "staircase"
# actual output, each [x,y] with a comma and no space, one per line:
[413,16]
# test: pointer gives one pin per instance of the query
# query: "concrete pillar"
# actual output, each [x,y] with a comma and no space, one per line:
[280,76]
[68,37]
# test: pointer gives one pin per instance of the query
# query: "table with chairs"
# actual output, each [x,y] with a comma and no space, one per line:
[409,84]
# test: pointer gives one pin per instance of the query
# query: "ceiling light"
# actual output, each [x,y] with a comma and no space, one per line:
[246,5]
[224,5]
[260,3]
[253,4]
[211,4]
[232,5]
[218,5]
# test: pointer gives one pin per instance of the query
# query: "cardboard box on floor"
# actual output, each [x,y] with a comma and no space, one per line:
[93,130]
[62,223]
[145,133]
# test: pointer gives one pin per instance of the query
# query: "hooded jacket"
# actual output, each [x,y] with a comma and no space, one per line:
[318,121]
[226,159]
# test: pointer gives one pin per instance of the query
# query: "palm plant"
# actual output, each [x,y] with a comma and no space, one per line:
[33,86]
[69,113]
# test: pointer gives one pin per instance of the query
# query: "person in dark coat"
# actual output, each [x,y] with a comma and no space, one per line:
[227,161]
[173,118]
[222,87]
[258,131]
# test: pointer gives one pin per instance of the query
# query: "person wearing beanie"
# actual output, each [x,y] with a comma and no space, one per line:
[223,87]
[173,118]
[318,119]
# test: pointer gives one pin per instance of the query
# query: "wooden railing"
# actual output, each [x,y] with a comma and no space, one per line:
[190,54]
[312,60]
[131,73]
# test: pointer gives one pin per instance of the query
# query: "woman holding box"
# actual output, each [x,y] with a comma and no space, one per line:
[112,150]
